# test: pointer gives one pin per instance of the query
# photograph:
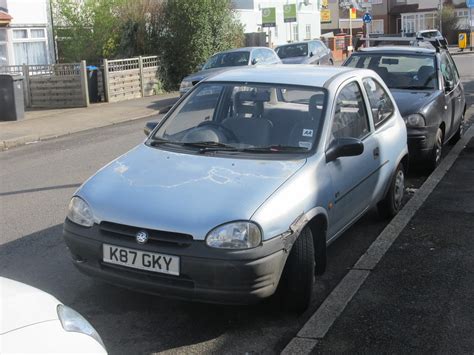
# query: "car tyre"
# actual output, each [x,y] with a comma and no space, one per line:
[298,275]
[458,135]
[435,156]
[392,202]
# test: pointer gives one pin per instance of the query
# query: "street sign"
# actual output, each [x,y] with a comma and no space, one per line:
[353,13]
[325,16]
[268,17]
[470,3]
[367,18]
[289,13]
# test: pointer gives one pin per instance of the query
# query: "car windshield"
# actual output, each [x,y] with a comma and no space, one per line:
[229,59]
[251,118]
[400,71]
[292,50]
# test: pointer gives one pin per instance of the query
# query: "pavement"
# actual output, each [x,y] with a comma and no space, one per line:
[39,125]
[412,291]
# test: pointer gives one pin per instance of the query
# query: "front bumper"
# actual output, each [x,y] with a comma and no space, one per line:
[421,142]
[206,274]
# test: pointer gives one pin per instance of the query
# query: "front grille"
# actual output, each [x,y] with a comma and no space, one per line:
[158,237]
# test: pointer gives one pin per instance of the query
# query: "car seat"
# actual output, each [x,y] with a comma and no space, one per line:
[303,132]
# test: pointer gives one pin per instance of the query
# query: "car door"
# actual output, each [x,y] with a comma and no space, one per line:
[354,178]
[460,100]
[451,94]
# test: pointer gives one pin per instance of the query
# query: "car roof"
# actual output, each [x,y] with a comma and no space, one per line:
[243,49]
[297,74]
[399,49]
[300,42]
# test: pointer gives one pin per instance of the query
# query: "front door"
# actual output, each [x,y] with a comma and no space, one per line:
[352,177]
[451,94]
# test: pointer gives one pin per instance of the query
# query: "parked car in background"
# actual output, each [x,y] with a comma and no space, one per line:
[425,84]
[223,61]
[32,321]
[242,185]
[308,52]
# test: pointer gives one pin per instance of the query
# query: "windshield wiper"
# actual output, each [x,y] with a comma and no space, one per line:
[412,88]
[210,146]
[158,141]
[277,149]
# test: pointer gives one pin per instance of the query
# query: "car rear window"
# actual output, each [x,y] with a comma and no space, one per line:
[292,50]
[400,71]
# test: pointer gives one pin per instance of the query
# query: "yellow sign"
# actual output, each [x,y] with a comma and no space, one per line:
[326,16]
[353,13]
[324,4]
[462,40]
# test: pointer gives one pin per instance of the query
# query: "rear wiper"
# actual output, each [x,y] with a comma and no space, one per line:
[277,148]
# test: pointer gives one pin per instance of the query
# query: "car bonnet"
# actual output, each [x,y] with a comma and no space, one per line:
[184,193]
[413,101]
[23,305]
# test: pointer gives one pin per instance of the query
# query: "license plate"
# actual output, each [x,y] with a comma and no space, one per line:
[143,260]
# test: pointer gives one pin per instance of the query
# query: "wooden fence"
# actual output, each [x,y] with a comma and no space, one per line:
[65,85]
[52,85]
[130,78]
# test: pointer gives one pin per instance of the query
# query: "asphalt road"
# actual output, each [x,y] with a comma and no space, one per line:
[36,183]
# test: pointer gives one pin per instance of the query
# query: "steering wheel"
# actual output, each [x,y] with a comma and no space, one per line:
[227,132]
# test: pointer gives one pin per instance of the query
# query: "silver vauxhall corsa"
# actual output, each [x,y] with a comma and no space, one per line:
[242,185]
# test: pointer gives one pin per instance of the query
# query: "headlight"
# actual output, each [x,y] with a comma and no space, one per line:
[235,235]
[185,85]
[415,120]
[74,322]
[79,212]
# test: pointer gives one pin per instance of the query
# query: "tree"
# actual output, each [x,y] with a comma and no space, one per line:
[449,21]
[191,31]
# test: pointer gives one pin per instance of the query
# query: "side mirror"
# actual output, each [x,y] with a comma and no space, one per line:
[448,85]
[254,61]
[344,147]
[311,54]
[149,126]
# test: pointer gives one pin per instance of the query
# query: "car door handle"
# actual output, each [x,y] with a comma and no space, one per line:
[376,153]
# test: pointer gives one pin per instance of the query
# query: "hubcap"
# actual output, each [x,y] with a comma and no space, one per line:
[399,188]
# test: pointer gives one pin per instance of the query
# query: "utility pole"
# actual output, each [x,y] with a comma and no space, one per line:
[441,17]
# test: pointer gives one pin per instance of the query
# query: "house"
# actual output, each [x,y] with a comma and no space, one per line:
[26,32]
[306,26]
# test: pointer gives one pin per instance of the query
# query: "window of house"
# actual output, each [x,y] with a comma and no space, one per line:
[30,46]
[308,32]
[295,32]
[377,26]
[3,47]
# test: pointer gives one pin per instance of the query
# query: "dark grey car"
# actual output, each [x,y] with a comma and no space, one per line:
[223,61]
[426,87]
[308,52]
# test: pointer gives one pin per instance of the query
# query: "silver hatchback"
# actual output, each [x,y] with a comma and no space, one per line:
[242,185]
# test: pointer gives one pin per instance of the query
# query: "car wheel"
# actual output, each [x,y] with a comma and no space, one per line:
[458,135]
[435,156]
[298,275]
[392,202]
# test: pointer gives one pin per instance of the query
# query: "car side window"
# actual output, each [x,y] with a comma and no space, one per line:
[446,69]
[259,56]
[380,103]
[269,57]
[454,69]
[350,117]
[319,48]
